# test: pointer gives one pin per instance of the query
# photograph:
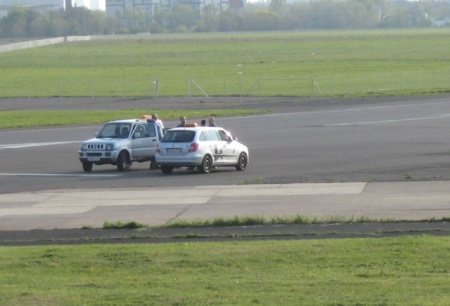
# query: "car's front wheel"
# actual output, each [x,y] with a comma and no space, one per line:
[123,162]
[166,169]
[87,166]
[242,162]
[206,165]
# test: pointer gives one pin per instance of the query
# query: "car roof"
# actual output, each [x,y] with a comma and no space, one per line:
[196,128]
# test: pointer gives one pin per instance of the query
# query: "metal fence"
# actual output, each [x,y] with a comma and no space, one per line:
[420,82]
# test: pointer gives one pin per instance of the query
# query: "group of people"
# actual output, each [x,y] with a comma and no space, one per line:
[211,122]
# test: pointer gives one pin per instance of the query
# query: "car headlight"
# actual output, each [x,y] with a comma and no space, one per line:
[109,147]
[83,147]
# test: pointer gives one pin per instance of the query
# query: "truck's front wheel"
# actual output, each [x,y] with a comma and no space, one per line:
[123,162]
[87,166]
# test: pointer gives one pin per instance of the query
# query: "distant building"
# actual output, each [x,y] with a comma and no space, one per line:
[38,5]
[113,7]
[90,4]
[47,5]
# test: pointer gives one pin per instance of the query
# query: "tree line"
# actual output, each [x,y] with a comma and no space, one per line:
[23,22]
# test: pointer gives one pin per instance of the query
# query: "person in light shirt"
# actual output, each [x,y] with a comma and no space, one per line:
[158,121]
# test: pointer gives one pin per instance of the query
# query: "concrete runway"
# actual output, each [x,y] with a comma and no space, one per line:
[70,209]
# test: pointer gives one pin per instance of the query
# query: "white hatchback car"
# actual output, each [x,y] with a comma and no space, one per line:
[200,147]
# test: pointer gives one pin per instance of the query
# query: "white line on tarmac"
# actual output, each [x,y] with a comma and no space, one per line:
[59,175]
[354,109]
[390,121]
[35,144]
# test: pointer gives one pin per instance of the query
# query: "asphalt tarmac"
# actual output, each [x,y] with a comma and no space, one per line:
[78,216]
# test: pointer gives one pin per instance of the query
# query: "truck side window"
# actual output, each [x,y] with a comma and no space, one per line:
[150,130]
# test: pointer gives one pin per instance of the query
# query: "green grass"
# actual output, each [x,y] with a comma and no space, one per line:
[261,220]
[122,225]
[341,63]
[22,119]
[382,271]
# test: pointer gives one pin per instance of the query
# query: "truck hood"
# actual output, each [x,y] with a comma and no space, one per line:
[105,140]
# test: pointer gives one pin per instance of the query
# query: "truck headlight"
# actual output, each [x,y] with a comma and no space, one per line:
[83,147]
[109,147]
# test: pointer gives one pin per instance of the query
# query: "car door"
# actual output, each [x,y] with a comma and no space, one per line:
[228,148]
[144,141]
[216,146]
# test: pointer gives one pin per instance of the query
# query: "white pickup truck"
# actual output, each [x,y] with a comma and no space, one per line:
[120,143]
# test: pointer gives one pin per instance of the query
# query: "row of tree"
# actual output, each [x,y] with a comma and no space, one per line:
[22,22]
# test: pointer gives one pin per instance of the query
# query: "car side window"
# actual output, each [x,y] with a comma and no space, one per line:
[203,136]
[213,136]
[223,135]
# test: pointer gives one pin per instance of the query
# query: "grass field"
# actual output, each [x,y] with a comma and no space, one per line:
[381,271]
[344,63]
[387,271]
[24,119]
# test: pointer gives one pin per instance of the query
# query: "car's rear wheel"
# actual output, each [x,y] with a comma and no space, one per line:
[123,161]
[166,169]
[206,165]
[242,162]
[87,166]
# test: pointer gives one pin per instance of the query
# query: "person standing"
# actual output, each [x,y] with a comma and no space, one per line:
[182,121]
[158,121]
[203,122]
[212,121]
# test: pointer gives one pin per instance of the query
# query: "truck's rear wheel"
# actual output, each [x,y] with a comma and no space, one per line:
[153,164]
[166,169]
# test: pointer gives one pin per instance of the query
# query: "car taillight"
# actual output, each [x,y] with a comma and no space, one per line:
[193,147]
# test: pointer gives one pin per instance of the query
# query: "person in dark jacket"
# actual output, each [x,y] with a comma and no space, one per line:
[212,121]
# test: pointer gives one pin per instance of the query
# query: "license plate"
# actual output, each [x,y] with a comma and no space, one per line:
[174,150]
[93,159]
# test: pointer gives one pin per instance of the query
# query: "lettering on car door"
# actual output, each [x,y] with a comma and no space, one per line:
[228,151]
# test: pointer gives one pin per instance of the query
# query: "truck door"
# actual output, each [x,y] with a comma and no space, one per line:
[144,141]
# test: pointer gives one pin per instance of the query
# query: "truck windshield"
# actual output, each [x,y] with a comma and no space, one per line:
[115,130]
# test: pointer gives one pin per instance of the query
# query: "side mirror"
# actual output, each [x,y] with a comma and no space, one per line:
[137,135]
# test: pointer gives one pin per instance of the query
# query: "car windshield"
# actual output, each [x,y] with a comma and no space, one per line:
[178,136]
[115,130]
